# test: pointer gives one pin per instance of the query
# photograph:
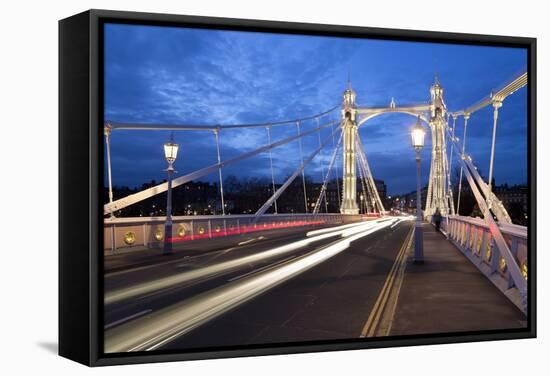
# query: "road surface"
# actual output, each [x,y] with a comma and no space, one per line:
[276,287]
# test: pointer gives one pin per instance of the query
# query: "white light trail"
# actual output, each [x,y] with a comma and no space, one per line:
[157,329]
[216,269]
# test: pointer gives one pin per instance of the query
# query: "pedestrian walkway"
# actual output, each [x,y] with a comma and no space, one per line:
[448,294]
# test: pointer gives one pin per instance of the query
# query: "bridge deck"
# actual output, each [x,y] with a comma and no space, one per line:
[448,294]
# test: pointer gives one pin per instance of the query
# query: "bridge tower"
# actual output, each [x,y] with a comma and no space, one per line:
[438,195]
[349,129]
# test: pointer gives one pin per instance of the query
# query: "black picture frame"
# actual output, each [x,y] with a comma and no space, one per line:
[81,182]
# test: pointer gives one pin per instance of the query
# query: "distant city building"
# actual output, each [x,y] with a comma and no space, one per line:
[241,196]
[334,195]
[515,200]
[509,195]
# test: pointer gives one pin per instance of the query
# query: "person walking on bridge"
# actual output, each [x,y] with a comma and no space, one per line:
[437,219]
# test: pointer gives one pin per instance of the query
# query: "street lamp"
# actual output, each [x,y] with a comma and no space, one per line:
[417,141]
[170,153]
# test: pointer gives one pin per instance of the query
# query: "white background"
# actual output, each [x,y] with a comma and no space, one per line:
[28,197]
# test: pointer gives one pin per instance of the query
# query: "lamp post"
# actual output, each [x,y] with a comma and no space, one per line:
[170,153]
[417,140]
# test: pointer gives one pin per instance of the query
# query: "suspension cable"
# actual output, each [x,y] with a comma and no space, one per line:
[217,133]
[268,128]
[371,195]
[162,187]
[107,132]
[336,168]
[365,195]
[496,105]
[191,127]
[466,118]
[363,175]
[450,166]
[302,162]
[322,165]
[289,181]
[369,175]
[325,181]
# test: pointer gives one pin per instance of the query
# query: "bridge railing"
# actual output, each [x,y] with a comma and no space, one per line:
[134,233]
[473,237]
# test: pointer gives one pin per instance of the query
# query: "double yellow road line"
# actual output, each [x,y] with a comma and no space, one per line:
[379,322]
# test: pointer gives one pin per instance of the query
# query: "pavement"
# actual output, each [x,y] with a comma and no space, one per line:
[448,294]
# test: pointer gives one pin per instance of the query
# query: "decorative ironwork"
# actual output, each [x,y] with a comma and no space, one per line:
[489,248]
[159,235]
[130,237]
[524,269]
[502,264]
[478,245]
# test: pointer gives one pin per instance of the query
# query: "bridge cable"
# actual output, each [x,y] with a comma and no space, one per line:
[365,194]
[191,127]
[364,176]
[268,128]
[447,184]
[450,185]
[289,181]
[336,173]
[327,176]
[107,132]
[220,166]
[369,176]
[371,193]
[302,162]
[497,207]
[162,187]
[466,118]
[496,105]
[322,165]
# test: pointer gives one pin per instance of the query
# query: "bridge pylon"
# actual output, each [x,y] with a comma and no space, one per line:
[438,195]
[349,130]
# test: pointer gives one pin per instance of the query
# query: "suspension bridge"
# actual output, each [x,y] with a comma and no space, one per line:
[313,274]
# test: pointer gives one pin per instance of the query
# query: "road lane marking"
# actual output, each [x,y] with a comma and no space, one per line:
[165,325]
[126,319]
[372,323]
[250,240]
[213,270]
[386,320]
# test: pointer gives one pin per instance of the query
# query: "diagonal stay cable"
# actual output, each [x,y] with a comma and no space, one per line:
[325,181]
[289,181]
[160,188]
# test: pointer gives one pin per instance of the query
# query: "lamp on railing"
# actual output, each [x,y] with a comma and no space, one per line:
[417,140]
[170,153]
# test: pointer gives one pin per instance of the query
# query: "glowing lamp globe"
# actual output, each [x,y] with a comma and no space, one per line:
[171,151]
[417,136]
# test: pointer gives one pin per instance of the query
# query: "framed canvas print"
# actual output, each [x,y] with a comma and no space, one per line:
[240,187]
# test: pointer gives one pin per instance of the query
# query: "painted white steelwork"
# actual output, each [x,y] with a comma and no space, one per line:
[349,129]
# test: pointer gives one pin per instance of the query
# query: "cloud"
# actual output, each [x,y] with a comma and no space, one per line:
[196,76]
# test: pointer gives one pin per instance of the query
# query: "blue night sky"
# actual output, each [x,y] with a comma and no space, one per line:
[177,75]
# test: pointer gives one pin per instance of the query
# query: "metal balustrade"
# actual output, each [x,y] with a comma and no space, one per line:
[473,237]
[134,233]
